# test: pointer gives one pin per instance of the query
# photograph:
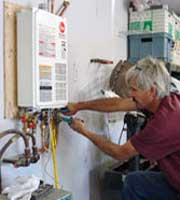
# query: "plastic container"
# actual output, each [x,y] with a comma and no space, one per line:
[154,20]
[157,45]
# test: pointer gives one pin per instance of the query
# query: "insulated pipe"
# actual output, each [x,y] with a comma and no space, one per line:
[33,138]
[26,142]
[10,141]
[14,131]
[35,156]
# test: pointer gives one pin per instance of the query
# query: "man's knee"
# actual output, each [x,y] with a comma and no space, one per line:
[132,180]
[129,187]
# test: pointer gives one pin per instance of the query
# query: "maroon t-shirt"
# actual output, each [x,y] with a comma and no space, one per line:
[160,139]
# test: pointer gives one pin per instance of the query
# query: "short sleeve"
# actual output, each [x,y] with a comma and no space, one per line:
[157,139]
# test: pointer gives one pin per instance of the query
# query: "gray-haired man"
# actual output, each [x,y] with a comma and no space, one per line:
[149,84]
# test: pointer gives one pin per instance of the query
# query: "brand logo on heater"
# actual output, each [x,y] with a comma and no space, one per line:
[62,27]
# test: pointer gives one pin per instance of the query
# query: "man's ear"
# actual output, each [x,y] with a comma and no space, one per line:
[153,91]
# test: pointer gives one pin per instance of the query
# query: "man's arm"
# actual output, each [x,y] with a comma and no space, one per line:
[119,152]
[103,105]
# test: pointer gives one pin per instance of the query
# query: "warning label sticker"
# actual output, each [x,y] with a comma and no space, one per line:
[45,83]
[47,41]
[45,72]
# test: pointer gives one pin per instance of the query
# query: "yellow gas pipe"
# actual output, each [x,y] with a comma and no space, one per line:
[53,148]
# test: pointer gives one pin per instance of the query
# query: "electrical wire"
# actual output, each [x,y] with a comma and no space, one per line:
[46,164]
[108,129]
[121,133]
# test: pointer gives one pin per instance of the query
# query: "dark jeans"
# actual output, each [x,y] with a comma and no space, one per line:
[148,185]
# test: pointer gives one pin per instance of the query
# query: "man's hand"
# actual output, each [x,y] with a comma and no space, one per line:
[119,152]
[70,109]
[78,125]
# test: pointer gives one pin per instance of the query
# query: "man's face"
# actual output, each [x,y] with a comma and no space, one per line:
[142,98]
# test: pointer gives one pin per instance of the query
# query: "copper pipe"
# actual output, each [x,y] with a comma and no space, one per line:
[101,61]
[62,12]
[62,8]
[53,6]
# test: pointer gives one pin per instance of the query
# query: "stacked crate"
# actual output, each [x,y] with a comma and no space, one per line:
[152,33]
[157,45]
[177,27]
[140,22]
[155,21]
[176,53]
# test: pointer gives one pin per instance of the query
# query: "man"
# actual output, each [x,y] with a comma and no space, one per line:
[159,141]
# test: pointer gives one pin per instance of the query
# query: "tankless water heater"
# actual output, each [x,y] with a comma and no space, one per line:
[41,59]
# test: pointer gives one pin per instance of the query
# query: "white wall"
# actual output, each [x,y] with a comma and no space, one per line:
[96,29]
[174,5]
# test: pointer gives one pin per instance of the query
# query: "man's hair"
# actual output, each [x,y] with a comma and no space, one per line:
[150,72]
